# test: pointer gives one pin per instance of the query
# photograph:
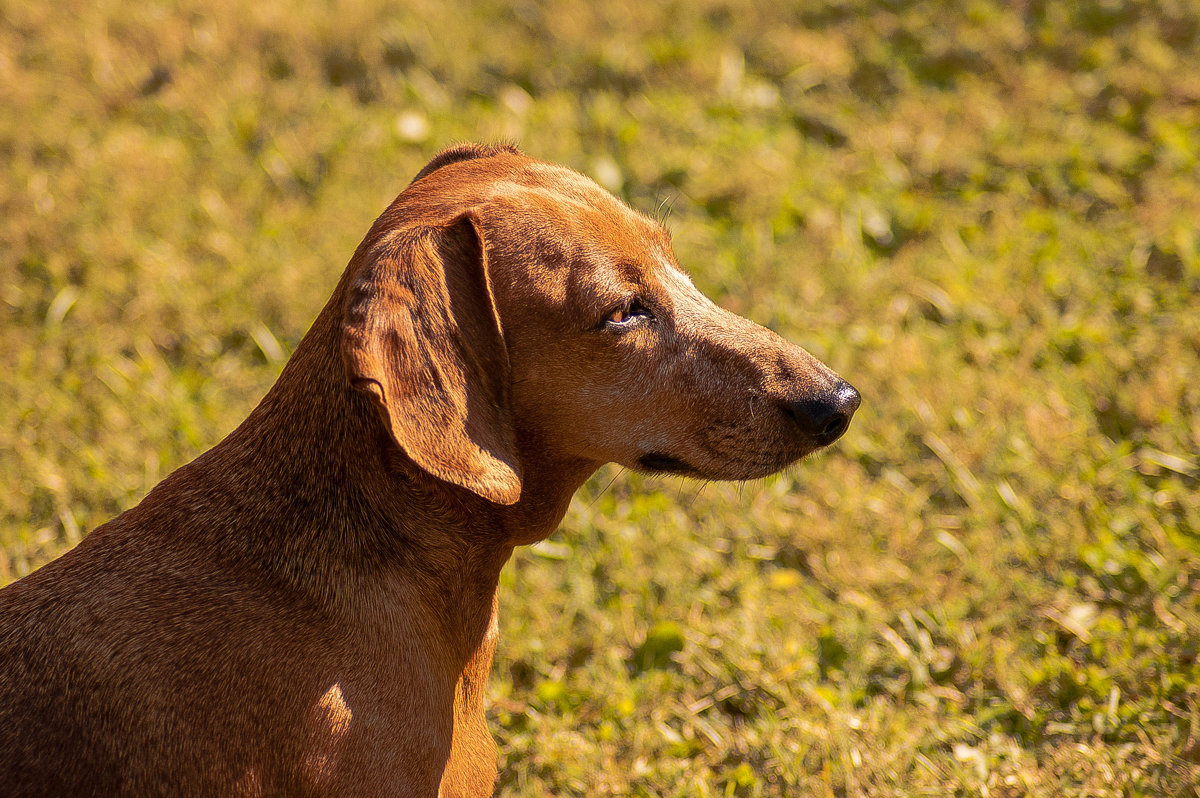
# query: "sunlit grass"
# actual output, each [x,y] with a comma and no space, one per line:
[983,215]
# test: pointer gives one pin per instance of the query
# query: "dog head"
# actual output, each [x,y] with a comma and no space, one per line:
[504,308]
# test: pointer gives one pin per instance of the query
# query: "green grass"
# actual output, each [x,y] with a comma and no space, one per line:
[984,215]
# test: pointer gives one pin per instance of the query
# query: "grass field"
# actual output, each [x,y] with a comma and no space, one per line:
[985,215]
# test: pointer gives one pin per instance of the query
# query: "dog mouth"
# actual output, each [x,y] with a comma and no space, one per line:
[665,464]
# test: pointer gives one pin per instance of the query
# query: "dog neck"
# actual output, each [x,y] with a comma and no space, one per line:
[316,493]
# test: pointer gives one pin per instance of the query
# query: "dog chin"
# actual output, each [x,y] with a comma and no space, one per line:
[761,467]
[662,463]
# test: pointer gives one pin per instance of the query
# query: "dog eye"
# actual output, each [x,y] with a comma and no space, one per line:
[628,316]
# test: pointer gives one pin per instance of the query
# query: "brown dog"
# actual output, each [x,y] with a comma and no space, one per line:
[309,608]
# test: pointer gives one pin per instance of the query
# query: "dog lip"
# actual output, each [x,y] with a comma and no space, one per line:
[665,463]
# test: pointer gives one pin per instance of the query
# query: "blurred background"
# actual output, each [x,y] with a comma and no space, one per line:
[983,214]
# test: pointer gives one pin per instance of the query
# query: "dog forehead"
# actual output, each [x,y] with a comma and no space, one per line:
[543,199]
[566,183]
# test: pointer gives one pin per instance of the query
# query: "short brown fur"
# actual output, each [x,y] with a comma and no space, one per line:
[309,608]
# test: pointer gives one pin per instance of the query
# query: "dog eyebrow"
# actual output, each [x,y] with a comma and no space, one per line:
[673,276]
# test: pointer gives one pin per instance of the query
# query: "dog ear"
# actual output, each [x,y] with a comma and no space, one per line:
[422,336]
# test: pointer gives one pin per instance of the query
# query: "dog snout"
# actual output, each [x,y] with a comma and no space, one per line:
[826,417]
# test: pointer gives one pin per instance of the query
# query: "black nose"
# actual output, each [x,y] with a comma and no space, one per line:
[827,417]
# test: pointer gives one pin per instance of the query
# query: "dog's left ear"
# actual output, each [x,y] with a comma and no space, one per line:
[422,336]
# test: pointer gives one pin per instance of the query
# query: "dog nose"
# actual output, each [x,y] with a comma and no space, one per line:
[828,417]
